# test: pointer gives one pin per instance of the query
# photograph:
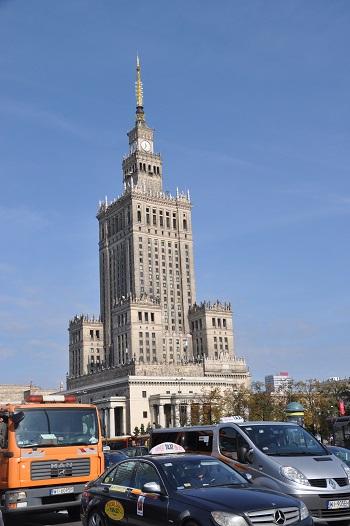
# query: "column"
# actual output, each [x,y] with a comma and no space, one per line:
[177,414]
[111,423]
[161,421]
[123,430]
[187,415]
[107,423]
[173,415]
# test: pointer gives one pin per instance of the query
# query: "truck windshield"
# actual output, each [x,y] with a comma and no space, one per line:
[57,427]
[280,440]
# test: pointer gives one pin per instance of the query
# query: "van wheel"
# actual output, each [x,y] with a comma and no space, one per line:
[74,513]
[96,519]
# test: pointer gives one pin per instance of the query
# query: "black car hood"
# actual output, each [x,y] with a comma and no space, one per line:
[235,499]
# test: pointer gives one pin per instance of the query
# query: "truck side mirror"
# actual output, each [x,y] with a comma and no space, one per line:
[17,418]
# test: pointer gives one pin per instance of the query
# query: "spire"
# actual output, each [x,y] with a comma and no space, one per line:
[139,91]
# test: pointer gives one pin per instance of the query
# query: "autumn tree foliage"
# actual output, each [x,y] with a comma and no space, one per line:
[320,401]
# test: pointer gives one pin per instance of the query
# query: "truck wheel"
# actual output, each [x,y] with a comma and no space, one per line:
[96,519]
[74,513]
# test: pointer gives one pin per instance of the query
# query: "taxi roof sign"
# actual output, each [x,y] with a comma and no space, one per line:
[236,419]
[165,448]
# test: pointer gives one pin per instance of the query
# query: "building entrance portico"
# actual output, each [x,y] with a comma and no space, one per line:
[113,413]
[171,410]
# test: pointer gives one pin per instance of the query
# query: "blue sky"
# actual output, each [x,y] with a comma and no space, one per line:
[250,102]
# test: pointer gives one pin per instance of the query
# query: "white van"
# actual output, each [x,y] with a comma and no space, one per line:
[281,456]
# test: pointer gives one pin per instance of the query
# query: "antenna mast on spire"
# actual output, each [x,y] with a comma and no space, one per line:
[138,84]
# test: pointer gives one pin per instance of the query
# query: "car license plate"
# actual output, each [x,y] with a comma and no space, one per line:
[62,491]
[338,504]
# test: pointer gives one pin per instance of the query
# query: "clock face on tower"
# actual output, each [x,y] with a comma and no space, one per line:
[146,146]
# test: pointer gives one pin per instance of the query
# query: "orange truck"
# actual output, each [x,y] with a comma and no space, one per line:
[50,446]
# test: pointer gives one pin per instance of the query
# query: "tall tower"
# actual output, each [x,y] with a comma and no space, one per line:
[148,356]
[146,259]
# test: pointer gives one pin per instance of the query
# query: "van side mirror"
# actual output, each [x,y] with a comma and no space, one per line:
[245,455]
[249,456]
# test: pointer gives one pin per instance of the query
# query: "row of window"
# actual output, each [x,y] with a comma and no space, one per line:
[76,362]
[167,269]
[122,319]
[94,361]
[197,324]
[143,167]
[95,333]
[116,223]
[76,337]
[219,343]
[219,322]
[158,218]
[146,317]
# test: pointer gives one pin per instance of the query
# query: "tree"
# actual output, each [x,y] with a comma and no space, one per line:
[136,431]
[261,403]
[236,401]
[142,429]
[213,406]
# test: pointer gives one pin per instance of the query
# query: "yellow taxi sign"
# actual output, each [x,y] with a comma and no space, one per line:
[165,448]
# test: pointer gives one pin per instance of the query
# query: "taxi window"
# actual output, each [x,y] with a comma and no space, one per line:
[146,473]
[121,475]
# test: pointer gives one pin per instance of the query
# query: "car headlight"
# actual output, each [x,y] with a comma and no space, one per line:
[294,475]
[228,519]
[304,512]
[347,470]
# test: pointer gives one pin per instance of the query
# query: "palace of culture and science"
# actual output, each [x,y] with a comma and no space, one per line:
[153,352]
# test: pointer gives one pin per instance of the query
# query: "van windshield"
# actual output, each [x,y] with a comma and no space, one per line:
[281,440]
[57,427]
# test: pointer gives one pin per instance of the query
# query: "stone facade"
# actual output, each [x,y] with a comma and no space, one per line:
[14,393]
[151,331]
[86,345]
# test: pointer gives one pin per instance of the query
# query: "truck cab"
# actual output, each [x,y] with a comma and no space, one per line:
[50,447]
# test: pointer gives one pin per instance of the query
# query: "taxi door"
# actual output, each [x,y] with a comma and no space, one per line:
[112,496]
[147,509]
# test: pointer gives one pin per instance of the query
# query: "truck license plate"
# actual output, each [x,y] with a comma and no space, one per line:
[62,491]
[338,504]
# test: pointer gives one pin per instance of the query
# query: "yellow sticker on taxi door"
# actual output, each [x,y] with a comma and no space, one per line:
[114,510]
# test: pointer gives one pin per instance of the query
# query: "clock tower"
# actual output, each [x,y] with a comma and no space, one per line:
[142,167]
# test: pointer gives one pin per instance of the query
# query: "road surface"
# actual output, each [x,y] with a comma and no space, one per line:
[47,519]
